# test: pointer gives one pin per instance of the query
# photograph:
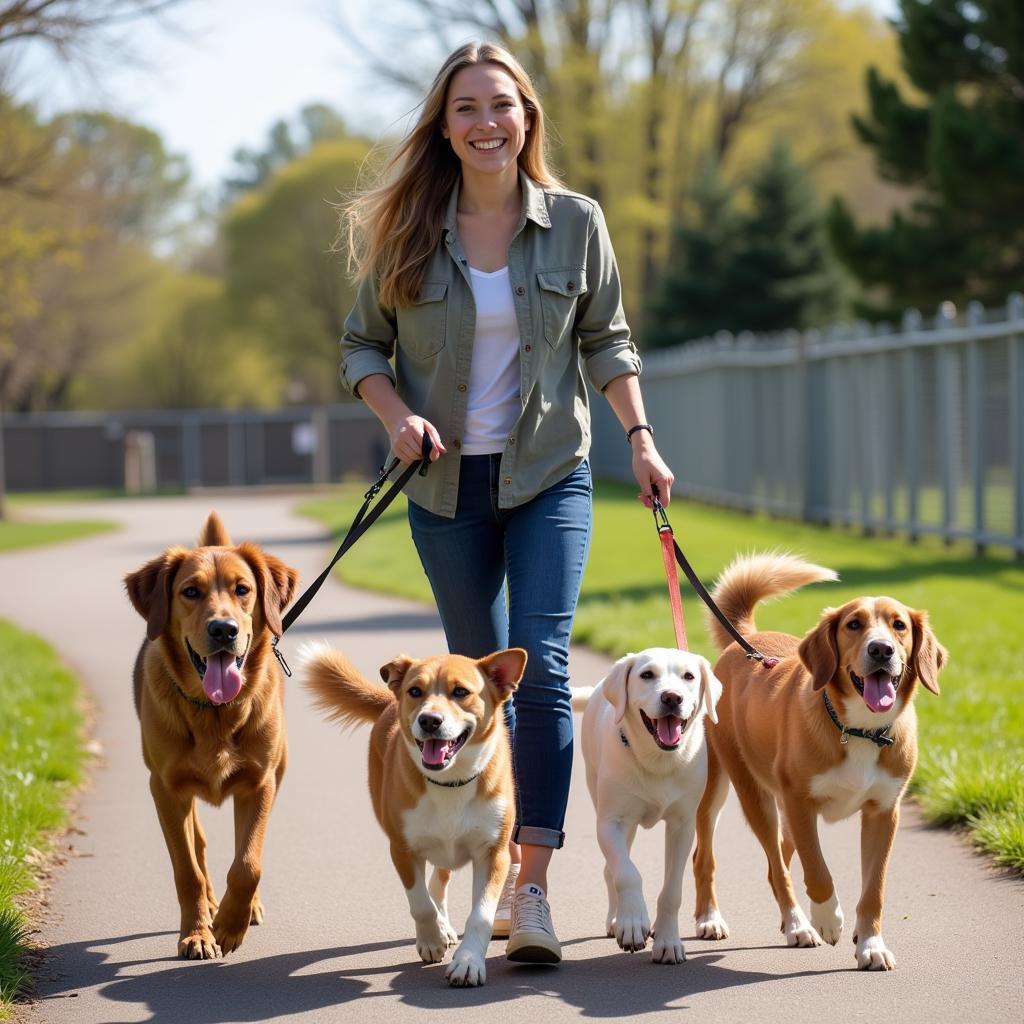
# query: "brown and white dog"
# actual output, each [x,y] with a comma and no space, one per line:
[440,781]
[789,761]
[210,700]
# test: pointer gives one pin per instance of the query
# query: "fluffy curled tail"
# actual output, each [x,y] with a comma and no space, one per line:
[753,578]
[339,689]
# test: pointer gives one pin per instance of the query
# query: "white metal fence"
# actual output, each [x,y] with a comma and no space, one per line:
[917,431]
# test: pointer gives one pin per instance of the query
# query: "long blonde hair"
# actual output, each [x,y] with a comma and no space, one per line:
[393,228]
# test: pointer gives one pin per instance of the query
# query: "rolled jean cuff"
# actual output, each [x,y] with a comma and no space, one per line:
[534,836]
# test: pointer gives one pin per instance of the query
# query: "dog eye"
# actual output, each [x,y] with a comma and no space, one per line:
[647,674]
[242,589]
[460,692]
[190,592]
[415,691]
[899,625]
[853,624]
[688,675]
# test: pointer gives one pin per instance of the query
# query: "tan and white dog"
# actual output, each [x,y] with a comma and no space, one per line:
[829,731]
[440,781]
[646,758]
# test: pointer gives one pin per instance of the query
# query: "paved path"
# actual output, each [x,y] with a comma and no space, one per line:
[337,939]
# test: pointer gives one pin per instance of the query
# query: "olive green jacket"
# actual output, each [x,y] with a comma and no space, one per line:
[568,304]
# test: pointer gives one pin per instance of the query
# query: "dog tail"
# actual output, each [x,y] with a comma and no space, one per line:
[753,578]
[580,696]
[339,689]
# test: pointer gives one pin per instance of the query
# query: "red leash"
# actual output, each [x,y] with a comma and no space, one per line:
[671,555]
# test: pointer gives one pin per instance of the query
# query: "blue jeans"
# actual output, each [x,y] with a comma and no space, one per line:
[540,548]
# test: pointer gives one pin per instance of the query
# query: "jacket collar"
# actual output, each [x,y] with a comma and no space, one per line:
[535,205]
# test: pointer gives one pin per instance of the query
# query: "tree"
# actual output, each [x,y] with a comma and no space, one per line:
[959,146]
[767,270]
[283,284]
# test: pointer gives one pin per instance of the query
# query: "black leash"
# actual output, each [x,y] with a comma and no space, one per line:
[362,522]
[664,527]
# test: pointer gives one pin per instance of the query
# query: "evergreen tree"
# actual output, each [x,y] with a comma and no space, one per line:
[765,271]
[961,150]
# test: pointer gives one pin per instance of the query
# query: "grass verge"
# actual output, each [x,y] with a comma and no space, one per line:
[971,770]
[41,756]
[24,534]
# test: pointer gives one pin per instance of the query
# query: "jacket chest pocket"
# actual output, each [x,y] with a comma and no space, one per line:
[422,326]
[559,290]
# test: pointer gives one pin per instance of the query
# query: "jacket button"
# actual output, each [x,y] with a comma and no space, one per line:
[570,285]
[520,290]
[456,444]
[508,480]
[511,440]
[527,348]
[462,387]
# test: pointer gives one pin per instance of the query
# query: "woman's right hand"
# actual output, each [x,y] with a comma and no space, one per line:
[407,439]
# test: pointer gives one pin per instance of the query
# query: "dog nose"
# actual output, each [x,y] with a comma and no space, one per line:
[222,630]
[429,722]
[880,650]
[671,700]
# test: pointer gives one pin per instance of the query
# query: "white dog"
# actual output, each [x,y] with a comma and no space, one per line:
[646,757]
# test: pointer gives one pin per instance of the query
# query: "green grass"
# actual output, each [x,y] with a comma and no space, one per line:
[41,759]
[971,770]
[16,533]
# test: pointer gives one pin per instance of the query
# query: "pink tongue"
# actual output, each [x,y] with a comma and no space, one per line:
[222,681]
[434,751]
[879,692]
[670,730]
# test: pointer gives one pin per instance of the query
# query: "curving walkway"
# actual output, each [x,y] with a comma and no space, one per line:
[337,941]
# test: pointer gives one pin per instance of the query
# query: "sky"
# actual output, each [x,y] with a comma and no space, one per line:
[229,70]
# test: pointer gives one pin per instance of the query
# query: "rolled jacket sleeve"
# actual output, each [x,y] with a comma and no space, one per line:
[604,339]
[368,344]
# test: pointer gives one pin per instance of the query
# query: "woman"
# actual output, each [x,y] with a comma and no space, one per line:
[498,287]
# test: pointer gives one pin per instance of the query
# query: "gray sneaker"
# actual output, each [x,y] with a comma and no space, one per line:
[533,938]
[503,915]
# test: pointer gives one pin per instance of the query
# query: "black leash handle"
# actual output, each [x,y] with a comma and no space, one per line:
[662,524]
[360,525]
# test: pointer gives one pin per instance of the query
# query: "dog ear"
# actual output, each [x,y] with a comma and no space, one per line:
[613,686]
[819,650]
[394,671]
[712,689]
[504,669]
[214,534]
[149,589]
[928,656]
[275,584]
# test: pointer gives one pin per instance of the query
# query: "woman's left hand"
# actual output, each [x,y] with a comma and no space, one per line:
[650,470]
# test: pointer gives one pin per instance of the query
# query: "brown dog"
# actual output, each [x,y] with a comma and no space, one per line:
[790,761]
[440,781]
[210,700]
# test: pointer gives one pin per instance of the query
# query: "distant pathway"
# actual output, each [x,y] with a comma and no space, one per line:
[337,942]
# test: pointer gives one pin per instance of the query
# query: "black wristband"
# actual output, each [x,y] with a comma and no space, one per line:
[633,430]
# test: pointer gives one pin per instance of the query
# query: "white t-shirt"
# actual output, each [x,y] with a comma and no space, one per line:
[494,403]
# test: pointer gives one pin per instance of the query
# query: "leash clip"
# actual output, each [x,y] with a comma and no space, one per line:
[844,736]
[660,515]
[280,657]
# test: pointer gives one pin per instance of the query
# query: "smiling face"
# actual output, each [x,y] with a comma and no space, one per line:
[875,648]
[661,691]
[451,702]
[485,120]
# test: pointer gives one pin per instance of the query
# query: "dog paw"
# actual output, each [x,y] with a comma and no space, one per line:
[257,912]
[712,926]
[872,955]
[632,929]
[827,919]
[466,969]
[798,930]
[431,942]
[451,936]
[667,947]
[199,945]
[230,926]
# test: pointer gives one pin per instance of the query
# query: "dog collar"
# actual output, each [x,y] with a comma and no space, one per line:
[201,703]
[452,785]
[877,736]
